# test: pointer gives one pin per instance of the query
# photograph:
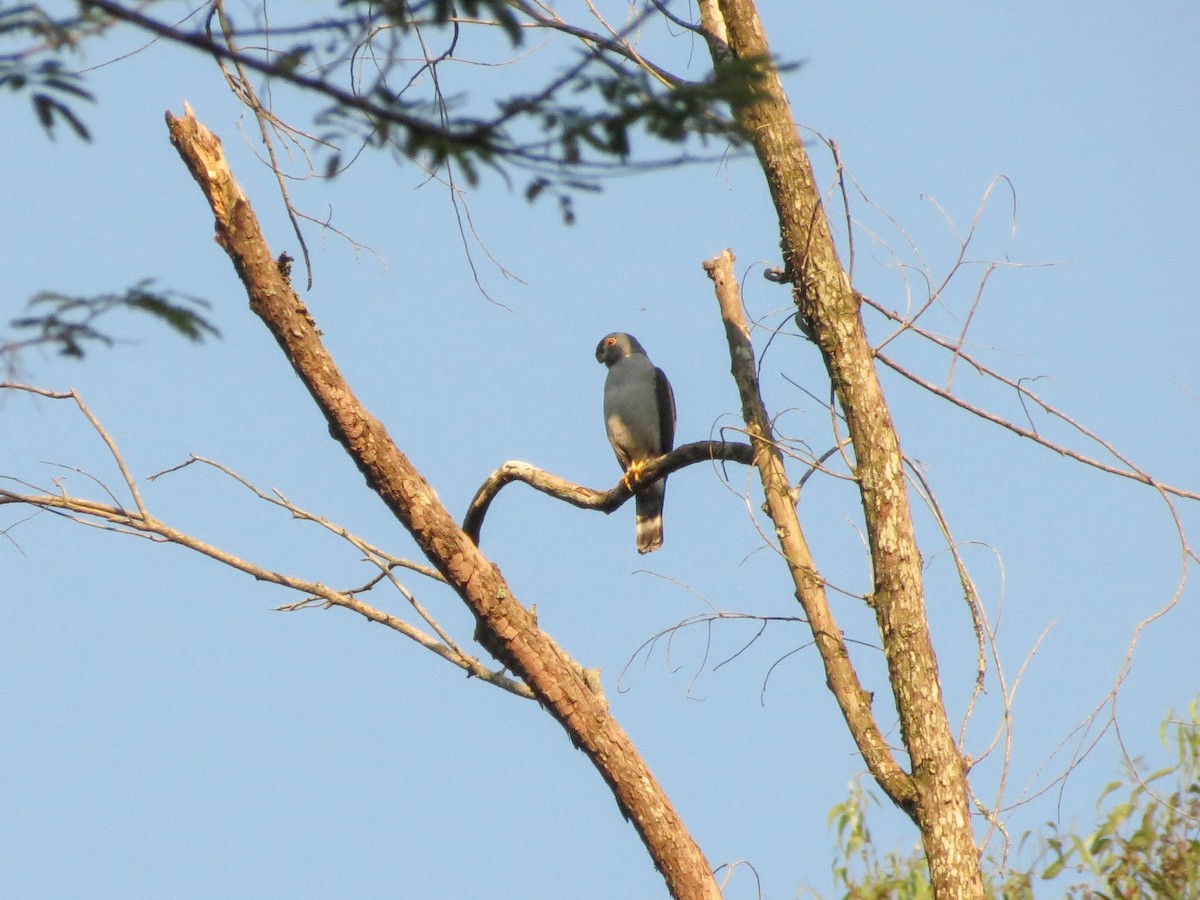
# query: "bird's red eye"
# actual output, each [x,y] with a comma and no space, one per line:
[611,342]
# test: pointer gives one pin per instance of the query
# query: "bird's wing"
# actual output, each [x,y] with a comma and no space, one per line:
[665,398]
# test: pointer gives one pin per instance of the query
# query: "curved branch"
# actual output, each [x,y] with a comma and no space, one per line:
[483,136]
[286,73]
[589,498]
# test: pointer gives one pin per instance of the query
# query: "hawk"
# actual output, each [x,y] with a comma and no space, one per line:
[639,413]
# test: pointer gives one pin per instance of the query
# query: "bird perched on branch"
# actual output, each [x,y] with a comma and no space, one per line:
[639,413]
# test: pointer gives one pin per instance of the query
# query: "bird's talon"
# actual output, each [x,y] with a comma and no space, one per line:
[632,475]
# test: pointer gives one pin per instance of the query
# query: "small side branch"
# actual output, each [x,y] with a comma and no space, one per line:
[118,519]
[589,498]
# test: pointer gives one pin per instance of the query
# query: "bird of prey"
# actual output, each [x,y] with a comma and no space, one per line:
[639,413]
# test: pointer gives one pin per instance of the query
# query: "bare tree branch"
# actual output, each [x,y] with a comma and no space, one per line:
[283,71]
[853,700]
[588,498]
[506,628]
[1132,471]
[140,522]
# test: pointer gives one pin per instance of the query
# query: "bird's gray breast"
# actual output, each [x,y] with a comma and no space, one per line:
[631,408]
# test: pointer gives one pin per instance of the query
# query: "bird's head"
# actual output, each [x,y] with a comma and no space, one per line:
[615,346]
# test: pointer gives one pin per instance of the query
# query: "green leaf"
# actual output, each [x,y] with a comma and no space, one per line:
[68,322]
[1053,870]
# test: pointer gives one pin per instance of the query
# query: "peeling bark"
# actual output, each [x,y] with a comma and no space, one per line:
[508,629]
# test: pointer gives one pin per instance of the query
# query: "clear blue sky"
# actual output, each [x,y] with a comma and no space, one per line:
[167,734]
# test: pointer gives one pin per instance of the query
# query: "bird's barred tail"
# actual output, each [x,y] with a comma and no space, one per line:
[649,519]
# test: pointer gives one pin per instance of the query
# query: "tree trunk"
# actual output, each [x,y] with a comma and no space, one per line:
[824,296]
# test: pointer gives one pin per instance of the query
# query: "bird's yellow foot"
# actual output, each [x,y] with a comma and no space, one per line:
[632,474]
